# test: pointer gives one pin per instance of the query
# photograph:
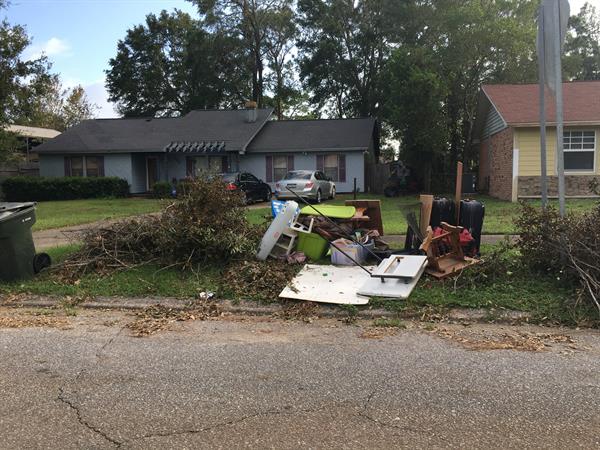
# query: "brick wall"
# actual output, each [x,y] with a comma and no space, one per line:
[497,175]
[575,186]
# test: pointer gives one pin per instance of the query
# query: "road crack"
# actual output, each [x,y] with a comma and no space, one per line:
[228,423]
[62,397]
[364,414]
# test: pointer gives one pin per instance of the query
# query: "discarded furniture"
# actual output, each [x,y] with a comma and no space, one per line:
[444,253]
[395,277]
[331,211]
[279,235]
[369,214]
[328,284]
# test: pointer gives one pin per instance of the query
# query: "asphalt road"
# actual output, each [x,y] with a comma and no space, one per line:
[86,382]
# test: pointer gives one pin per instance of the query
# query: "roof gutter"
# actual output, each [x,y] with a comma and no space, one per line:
[572,123]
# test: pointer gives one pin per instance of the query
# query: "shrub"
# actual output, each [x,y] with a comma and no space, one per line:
[162,189]
[565,247]
[25,189]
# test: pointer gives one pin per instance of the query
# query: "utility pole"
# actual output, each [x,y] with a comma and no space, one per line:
[541,68]
[552,22]
[560,167]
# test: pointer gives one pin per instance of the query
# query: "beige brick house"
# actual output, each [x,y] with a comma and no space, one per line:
[507,139]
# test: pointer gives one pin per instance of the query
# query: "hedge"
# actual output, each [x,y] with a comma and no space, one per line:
[29,189]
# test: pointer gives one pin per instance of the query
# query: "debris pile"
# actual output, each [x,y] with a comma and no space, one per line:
[206,224]
[258,280]
[443,241]
[566,247]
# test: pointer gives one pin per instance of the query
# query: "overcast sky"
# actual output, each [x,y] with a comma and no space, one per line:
[80,36]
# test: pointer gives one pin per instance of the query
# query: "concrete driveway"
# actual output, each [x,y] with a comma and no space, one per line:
[85,382]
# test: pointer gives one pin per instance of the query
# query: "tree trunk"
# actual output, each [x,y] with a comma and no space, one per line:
[279,91]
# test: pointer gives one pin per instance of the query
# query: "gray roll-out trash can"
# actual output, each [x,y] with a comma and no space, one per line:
[18,259]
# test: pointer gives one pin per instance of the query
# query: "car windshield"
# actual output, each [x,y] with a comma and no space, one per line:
[298,175]
[229,177]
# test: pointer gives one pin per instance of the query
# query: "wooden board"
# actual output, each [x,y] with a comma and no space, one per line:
[458,191]
[451,266]
[426,207]
[328,284]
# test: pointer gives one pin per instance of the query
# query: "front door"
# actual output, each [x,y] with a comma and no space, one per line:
[151,171]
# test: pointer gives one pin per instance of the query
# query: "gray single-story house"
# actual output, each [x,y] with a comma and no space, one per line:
[146,150]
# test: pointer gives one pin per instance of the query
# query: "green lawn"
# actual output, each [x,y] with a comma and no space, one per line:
[499,214]
[542,296]
[58,214]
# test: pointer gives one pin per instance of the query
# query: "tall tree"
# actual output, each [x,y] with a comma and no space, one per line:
[343,49]
[58,108]
[249,21]
[77,107]
[465,43]
[170,65]
[415,109]
[582,48]
[279,44]
[21,80]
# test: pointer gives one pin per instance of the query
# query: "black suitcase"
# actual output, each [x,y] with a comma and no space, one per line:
[442,210]
[472,213]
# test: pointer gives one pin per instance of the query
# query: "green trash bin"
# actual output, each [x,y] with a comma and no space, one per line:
[18,259]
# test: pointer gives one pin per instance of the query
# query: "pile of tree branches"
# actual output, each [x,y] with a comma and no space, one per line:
[565,247]
[206,224]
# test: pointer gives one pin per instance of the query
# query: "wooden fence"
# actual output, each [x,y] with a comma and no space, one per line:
[376,177]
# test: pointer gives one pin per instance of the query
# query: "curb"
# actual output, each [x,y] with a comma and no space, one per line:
[256,309]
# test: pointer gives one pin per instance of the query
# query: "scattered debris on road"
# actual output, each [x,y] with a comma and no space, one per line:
[26,321]
[157,318]
[505,339]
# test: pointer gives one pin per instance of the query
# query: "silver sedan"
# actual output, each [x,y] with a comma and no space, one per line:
[311,184]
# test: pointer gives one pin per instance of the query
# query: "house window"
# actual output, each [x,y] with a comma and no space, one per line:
[333,166]
[92,166]
[280,167]
[84,166]
[74,166]
[197,165]
[579,151]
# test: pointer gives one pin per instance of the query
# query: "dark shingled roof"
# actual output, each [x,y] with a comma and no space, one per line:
[202,129]
[315,135]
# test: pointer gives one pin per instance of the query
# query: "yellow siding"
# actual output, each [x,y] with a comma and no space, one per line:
[527,140]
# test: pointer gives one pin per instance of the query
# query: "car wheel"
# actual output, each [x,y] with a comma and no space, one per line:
[318,197]
[268,196]
[332,193]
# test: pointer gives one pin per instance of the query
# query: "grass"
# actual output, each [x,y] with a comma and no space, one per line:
[148,280]
[499,214]
[58,214]
[544,297]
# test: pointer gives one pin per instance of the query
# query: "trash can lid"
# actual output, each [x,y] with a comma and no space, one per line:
[14,206]
[8,209]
